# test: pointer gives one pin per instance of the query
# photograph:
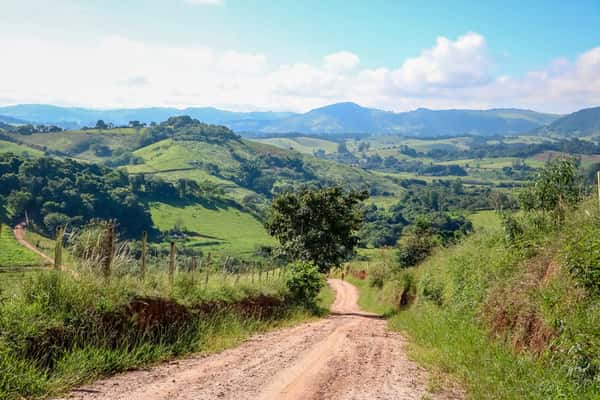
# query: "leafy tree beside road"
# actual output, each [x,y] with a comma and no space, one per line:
[317,225]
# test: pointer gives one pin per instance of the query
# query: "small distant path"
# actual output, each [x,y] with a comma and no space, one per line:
[19,232]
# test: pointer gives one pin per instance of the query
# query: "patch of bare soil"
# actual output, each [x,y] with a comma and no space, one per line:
[349,355]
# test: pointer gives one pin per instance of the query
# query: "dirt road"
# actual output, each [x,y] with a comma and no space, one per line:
[19,232]
[349,355]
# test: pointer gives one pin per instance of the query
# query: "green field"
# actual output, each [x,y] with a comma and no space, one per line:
[10,147]
[218,229]
[12,254]
[306,145]
[487,219]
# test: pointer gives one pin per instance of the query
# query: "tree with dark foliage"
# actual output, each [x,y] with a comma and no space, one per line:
[317,225]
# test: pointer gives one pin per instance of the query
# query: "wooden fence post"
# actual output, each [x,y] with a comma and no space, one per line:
[108,248]
[194,264]
[237,278]
[207,271]
[144,250]
[0,230]
[225,265]
[172,262]
[58,247]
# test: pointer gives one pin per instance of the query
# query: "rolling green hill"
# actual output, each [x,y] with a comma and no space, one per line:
[303,144]
[238,177]
[10,147]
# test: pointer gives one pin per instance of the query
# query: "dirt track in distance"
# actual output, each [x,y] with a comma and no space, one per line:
[19,232]
[348,355]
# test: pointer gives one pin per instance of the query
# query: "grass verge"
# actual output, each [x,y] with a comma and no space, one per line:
[58,330]
[508,320]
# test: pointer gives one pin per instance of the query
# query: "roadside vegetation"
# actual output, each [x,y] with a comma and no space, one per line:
[511,311]
[103,315]
[115,307]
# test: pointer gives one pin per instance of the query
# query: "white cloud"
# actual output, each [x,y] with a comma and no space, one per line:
[117,71]
[450,64]
[205,2]
[341,61]
[243,63]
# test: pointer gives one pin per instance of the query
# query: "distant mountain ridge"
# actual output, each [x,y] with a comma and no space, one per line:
[75,117]
[339,118]
[584,122]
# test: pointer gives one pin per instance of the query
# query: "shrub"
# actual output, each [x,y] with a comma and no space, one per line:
[400,291]
[304,282]
[557,186]
[377,275]
[582,256]
[431,289]
[414,248]
[513,231]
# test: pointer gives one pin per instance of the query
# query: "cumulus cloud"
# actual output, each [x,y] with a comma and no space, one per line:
[449,64]
[117,71]
[341,61]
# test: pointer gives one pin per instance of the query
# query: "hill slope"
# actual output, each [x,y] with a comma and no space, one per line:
[584,122]
[511,318]
[236,178]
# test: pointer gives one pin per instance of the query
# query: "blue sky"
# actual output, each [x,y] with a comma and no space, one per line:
[273,55]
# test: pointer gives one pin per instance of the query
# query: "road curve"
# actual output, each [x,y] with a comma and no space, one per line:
[349,355]
[19,232]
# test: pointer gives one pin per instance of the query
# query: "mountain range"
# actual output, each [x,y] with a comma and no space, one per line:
[339,118]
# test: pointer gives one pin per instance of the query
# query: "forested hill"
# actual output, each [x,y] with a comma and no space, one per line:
[53,192]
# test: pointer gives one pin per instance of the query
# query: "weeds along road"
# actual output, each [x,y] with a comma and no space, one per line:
[349,355]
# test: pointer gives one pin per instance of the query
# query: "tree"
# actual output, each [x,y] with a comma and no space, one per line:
[100,124]
[556,187]
[317,225]
[18,202]
[341,148]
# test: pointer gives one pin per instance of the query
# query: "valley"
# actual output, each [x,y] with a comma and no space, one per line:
[207,210]
[316,200]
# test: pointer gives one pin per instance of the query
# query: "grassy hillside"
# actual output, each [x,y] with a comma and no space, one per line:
[305,145]
[511,320]
[217,228]
[12,254]
[240,176]
[22,150]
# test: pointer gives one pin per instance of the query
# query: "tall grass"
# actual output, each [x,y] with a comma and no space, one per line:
[508,320]
[60,329]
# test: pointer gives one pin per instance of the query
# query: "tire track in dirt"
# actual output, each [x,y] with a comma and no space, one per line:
[349,355]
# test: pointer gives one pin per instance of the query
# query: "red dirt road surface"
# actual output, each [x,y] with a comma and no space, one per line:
[349,355]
